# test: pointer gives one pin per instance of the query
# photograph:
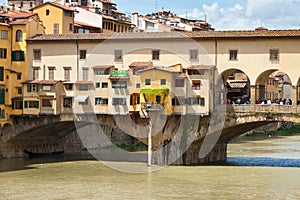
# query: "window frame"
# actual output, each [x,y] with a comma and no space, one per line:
[37,54]
[274,54]
[194,54]
[233,54]
[155,54]
[118,55]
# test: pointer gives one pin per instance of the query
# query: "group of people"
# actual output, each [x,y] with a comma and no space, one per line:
[274,101]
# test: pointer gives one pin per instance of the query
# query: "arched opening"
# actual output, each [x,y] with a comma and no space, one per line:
[274,87]
[237,87]
[19,36]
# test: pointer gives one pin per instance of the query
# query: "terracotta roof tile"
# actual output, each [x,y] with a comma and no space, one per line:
[57,5]
[84,82]
[45,82]
[167,69]
[141,64]
[77,23]
[20,21]
[169,35]
[18,15]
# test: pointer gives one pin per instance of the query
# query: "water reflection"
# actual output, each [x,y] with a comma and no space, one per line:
[265,162]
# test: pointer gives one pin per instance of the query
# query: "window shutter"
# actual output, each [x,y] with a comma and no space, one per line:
[36,104]
[1,73]
[25,104]
[2,96]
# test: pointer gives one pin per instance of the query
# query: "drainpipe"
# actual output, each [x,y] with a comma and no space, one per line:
[44,72]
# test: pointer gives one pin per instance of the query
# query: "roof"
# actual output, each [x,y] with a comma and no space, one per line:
[84,82]
[103,66]
[141,64]
[56,5]
[167,69]
[170,35]
[201,67]
[42,82]
[18,15]
[20,21]
[108,2]
[237,85]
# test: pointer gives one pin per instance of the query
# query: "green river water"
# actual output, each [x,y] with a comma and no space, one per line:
[270,169]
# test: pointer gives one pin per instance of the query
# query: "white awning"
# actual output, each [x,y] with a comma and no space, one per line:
[81,98]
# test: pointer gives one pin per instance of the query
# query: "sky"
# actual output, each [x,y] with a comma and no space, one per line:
[224,14]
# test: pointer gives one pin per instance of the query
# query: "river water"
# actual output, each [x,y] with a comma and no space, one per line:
[258,169]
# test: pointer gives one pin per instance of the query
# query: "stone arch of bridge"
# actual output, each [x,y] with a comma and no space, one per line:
[267,88]
[237,85]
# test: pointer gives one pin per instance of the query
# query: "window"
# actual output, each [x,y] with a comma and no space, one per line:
[51,73]
[30,4]
[21,4]
[118,55]
[47,103]
[147,82]
[202,101]
[82,54]
[46,87]
[1,73]
[233,54]
[67,102]
[17,105]
[55,28]
[119,84]
[274,54]
[85,74]
[97,84]
[35,88]
[193,55]
[118,101]
[19,37]
[102,72]
[70,27]
[31,104]
[19,75]
[18,56]
[196,85]
[47,12]
[2,96]
[19,90]
[35,73]
[138,85]
[69,86]
[196,72]
[179,82]
[192,101]
[67,74]
[163,82]
[68,13]
[3,53]
[178,101]
[155,55]
[98,101]
[104,85]
[83,87]
[4,35]
[137,70]
[36,54]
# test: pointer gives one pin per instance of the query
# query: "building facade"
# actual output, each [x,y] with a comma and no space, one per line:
[16,27]
[127,72]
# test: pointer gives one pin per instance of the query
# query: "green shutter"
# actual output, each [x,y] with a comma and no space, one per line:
[22,56]
[36,104]
[25,104]
[14,56]
[1,73]
[2,96]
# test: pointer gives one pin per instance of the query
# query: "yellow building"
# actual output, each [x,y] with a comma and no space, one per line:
[57,18]
[16,27]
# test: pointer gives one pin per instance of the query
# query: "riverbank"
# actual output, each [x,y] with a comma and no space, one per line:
[294,130]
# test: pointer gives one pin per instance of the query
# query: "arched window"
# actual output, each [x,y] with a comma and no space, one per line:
[19,37]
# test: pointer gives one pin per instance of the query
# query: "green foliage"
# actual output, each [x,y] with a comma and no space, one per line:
[154,91]
[295,129]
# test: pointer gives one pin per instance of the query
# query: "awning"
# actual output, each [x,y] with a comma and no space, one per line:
[81,98]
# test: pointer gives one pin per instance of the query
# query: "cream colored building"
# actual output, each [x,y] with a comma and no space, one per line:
[108,72]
